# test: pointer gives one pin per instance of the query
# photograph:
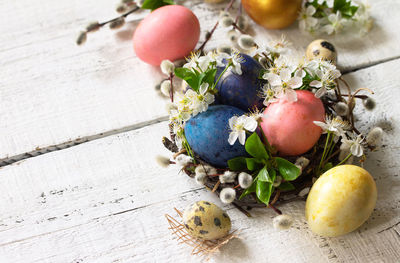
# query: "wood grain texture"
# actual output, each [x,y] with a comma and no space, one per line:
[54,94]
[104,201]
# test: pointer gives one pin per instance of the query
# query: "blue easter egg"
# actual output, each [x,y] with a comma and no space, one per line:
[242,91]
[207,134]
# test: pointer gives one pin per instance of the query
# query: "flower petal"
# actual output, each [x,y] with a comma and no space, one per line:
[232,122]
[316,84]
[250,124]
[321,92]
[233,137]
[291,95]
[285,74]
[273,79]
[295,82]
[242,137]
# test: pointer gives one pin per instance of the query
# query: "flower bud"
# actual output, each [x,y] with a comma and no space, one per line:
[224,49]
[170,107]
[119,22]
[165,88]
[374,137]
[207,169]
[242,23]
[163,161]
[341,109]
[277,182]
[227,195]
[121,8]
[304,192]
[246,42]
[200,178]
[232,35]
[183,159]
[139,3]
[369,103]
[81,38]
[167,67]
[302,162]
[282,222]
[224,14]
[227,177]
[245,180]
[93,26]
[226,21]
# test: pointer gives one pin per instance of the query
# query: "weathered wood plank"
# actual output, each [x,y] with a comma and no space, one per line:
[104,201]
[54,94]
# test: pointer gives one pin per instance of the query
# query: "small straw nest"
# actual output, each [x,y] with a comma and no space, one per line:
[204,248]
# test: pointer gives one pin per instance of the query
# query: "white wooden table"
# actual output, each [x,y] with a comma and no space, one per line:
[80,127]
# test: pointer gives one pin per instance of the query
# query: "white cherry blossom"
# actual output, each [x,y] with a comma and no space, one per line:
[239,126]
[353,145]
[307,21]
[285,84]
[336,125]
[335,23]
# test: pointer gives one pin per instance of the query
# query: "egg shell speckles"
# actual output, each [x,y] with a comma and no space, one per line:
[169,32]
[321,48]
[206,221]
[289,126]
[341,200]
[241,91]
[207,134]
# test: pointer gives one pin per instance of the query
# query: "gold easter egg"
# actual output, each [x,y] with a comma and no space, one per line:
[273,14]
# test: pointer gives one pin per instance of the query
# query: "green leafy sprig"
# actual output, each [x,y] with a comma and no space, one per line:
[265,168]
[195,76]
[154,4]
[345,7]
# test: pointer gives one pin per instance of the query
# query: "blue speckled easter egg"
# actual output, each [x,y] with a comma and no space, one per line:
[242,91]
[207,134]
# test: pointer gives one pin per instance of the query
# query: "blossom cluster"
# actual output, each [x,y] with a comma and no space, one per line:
[352,144]
[285,74]
[200,70]
[334,16]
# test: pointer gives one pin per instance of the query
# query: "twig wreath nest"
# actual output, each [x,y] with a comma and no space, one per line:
[255,129]
[260,127]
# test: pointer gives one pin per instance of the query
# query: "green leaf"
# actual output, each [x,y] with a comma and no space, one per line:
[253,164]
[338,5]
[255,147]
[210,76]
[288,170]
[189,76]
[264,191]
[249,190]
[154,4]
[264,176]
[272,173]
[349,11]
[237,164]
[327,166]
[286,186]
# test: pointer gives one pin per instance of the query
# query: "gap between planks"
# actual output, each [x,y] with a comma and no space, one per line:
[71,143]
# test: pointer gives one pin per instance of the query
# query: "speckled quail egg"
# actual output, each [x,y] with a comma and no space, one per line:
[321,48]
[206,221]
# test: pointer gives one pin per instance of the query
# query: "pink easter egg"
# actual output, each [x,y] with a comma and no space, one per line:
[289,126]
[169,32]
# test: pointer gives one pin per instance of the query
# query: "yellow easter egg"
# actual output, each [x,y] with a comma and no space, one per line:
[340,201]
